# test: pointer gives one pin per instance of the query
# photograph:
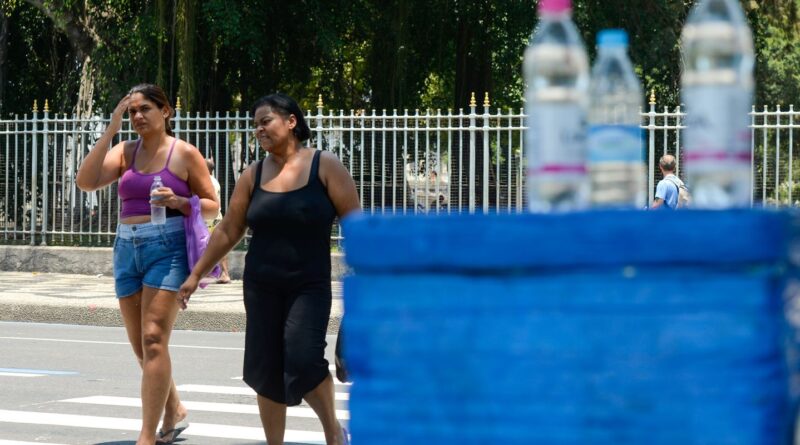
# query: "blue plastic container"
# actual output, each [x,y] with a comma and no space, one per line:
[597,327]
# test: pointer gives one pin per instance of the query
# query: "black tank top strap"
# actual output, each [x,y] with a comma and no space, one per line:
[313,176]
[257,182]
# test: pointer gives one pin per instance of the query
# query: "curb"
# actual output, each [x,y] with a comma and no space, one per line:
[216,321]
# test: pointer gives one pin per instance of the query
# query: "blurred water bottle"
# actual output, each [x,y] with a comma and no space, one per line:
[717,90]
[158,214]
[615,150]
[556,72]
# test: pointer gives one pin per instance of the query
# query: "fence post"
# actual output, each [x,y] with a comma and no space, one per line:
[753,155]
[651,130]
[791,153]
[319,122]
[764,165]
[177,116]
[777,155]
[34,173]
[521,179]
[45,171]
[472,105]
[486,152]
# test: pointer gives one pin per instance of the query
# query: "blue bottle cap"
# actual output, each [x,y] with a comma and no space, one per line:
[612,37]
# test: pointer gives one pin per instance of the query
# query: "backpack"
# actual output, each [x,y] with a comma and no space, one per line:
[684,197]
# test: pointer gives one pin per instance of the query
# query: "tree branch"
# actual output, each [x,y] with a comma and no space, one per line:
[83,38]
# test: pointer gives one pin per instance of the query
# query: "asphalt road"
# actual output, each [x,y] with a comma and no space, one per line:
[68,384]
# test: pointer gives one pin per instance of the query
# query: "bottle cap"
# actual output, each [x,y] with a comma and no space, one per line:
[555,6]
[612,37]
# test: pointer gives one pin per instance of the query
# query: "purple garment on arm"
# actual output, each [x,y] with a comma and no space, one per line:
[197,238]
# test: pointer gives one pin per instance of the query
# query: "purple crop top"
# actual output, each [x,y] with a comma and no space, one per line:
[134,187]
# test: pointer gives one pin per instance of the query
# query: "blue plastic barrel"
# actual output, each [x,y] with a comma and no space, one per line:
[585,328]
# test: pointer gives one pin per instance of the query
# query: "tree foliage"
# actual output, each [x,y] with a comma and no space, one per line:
[219,55]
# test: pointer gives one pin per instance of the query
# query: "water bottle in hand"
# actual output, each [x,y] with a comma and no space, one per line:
[158,214]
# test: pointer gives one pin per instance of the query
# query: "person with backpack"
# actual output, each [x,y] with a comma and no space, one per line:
[671,192]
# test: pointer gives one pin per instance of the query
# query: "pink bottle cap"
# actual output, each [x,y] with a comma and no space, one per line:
[555,6]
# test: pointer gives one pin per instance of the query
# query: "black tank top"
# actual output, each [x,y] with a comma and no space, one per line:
[291,231]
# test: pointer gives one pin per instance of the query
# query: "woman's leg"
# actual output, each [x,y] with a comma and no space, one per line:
[131,309]
[304,355]
[273,418]
[159,309]
[321,400]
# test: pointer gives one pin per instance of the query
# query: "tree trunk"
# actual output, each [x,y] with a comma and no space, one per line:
[161,18]
[83,109]
[186,54]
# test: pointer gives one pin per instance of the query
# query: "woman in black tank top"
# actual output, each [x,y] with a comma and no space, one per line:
[289,200]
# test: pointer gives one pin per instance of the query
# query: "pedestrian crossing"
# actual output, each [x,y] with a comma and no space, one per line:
[223,412]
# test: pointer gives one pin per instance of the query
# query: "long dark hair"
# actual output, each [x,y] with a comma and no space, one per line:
[285,106]
[155,94]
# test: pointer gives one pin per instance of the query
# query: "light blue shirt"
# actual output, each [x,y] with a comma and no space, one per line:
[668,191]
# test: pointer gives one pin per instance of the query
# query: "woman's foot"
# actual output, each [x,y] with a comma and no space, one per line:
[173,424]
[224,278]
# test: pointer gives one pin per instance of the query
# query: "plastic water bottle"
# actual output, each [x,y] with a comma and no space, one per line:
[556,71]
[615,145]
[717,90]
[158,214]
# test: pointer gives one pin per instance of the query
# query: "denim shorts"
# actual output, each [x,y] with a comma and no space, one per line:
[150,255]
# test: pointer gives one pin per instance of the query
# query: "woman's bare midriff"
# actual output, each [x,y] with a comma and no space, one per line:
[138,219]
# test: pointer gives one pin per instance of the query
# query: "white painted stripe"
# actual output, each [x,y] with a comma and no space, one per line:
[14,442]
[114,423]
[38,371]
[96,342]
[236,390]
[236,408]
[19,374]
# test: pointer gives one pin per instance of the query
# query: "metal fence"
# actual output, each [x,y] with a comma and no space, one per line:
[469,160]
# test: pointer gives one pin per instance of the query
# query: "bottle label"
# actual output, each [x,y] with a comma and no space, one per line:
[615,143]
[717,133]
[556,139]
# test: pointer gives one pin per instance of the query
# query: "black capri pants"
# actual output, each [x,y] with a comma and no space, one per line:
[284,351]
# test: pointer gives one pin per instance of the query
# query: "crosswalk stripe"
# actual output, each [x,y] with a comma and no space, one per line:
[238,408]
[114,423]
[237,390]
[37,371]
[19,374]
[14,442]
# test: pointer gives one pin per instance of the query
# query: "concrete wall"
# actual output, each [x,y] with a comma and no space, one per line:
[98,260]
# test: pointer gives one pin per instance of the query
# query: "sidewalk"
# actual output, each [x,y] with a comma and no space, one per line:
[89,300]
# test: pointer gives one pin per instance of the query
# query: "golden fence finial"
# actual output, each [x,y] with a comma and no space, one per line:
[319,101]
[472,100]
[35,106]
[486,99]
[178,103]
[46,106]
[653,96]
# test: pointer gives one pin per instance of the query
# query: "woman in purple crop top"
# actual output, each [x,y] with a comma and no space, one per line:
[150,260]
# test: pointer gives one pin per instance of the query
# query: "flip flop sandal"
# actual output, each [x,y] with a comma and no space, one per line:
[167,437]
